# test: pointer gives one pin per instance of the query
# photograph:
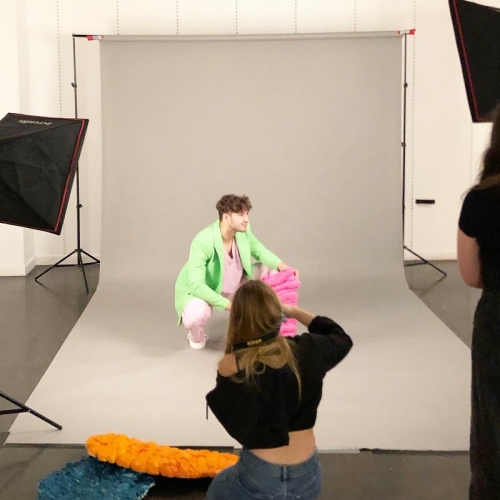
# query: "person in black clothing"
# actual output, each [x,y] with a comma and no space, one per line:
[267,393]
[478,253]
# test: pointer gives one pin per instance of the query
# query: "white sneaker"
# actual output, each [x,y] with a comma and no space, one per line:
[197,345]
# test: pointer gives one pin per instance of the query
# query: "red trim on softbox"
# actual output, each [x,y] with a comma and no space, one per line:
[467,67]
[70,176]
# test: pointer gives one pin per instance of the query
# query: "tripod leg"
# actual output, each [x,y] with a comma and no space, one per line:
[55,265]
[92,257]
[29,410]
[425,261]
[82,269]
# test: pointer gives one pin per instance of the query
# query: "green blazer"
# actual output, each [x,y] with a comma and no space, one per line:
[203,274]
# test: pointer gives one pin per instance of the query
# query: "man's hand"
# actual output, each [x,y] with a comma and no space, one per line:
[282,267]
[228,307]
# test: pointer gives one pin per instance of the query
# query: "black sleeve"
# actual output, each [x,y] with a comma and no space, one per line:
[236,413]
[239,409]
[325,346]
[469,215]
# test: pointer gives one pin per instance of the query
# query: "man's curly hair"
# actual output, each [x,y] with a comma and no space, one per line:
[232,203]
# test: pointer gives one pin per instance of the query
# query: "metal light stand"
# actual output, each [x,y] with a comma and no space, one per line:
[421,261]
[24,409]
[78,251]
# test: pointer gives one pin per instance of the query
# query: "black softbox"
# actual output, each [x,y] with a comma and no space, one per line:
[477,33]
[38,161]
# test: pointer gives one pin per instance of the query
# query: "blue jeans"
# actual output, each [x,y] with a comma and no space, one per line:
[254,478]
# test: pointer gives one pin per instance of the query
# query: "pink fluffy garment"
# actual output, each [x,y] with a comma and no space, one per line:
[286,286]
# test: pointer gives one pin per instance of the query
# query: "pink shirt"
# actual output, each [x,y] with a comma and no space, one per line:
[233,271]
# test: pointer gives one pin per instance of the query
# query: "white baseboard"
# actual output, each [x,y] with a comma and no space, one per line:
[30,265]
[18,270]
[50,260]
[450,255]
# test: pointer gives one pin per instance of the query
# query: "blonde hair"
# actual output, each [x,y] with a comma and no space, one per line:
[255,311]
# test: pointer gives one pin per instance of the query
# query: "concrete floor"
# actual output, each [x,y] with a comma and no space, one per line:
[35,320]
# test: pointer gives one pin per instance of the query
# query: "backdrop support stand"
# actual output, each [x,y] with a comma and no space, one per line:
[78,251]
[422,260]
[21,408]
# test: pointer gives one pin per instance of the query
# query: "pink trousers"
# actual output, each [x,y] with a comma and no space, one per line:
[197,311]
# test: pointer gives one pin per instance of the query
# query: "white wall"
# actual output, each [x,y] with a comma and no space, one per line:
[444,147]
[17,250]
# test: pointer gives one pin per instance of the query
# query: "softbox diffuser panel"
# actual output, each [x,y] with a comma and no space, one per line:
[477,33]
[38,160]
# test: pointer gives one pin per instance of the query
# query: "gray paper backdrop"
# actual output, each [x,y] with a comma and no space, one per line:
[310,133]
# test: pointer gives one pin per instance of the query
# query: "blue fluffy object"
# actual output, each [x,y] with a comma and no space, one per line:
[90,479]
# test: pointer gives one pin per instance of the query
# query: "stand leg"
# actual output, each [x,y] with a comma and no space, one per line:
[79,263]
[96,261]
[55,265]
[25,409]
[423,262]
[82,269]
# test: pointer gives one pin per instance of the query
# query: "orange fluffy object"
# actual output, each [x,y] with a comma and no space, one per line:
[151,458]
